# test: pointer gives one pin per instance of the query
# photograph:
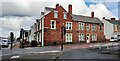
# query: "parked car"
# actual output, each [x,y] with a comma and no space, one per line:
[115,38]
[4,43]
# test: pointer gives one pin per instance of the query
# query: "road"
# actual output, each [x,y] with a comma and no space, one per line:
[72,51]
[86,54]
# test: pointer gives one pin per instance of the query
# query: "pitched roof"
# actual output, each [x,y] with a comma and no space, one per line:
[85,19]
[80,17]
[49,8]
[115,22]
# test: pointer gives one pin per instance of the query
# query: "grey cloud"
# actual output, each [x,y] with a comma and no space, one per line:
[25,13]
[23,9]
[14,23]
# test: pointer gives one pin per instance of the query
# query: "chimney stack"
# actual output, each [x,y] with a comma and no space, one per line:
[92,14]
[70,9]
[112,18]
[57,5]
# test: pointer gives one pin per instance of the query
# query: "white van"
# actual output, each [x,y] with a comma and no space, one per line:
[115,38]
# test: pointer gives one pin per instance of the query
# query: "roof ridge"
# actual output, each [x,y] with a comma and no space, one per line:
[112,20]
[85,16]
[50,7]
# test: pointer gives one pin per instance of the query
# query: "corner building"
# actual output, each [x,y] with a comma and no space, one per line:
[78,28]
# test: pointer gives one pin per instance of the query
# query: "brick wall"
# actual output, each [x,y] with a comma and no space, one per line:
[51,35]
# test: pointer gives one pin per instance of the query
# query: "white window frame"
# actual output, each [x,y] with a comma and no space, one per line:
[51,24]
[55,14]
[68,37]
[87,26]
[81,37]
[68,28]
[93,27]
[64,15]
[81,26]
[94,37]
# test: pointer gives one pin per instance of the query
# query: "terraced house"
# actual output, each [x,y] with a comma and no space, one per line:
[79,28]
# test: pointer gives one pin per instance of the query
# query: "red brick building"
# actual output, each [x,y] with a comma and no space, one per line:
[79,28]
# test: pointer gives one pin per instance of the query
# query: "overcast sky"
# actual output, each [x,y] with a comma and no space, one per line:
[16,14]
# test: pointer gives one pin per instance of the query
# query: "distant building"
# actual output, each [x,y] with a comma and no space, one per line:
[111,27]
[79,28]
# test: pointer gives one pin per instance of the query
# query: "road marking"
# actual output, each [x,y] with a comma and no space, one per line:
[53,54]
[13,57]
[28,48]
[55,51]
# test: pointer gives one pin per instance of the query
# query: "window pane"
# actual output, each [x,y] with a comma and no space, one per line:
[87,26]
[69,25]
[81,26]
[55,14]
[53,24]
[65,15]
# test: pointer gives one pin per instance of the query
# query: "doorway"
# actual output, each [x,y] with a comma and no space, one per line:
[88,38]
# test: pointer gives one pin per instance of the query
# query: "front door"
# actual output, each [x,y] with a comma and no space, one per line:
[88,38]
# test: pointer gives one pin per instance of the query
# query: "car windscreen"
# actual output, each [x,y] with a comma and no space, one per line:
[112,37]
[4,40]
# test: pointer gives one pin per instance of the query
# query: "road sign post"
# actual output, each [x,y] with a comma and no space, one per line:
[63,32]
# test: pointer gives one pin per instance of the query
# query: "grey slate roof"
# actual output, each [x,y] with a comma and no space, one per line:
[80,17]
[85,19]
[115,22]
[49,8]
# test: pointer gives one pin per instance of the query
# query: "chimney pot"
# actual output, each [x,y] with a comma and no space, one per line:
[92,14]
[70,9]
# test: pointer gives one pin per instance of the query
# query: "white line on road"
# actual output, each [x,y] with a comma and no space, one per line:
[55,51]
[13,57]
